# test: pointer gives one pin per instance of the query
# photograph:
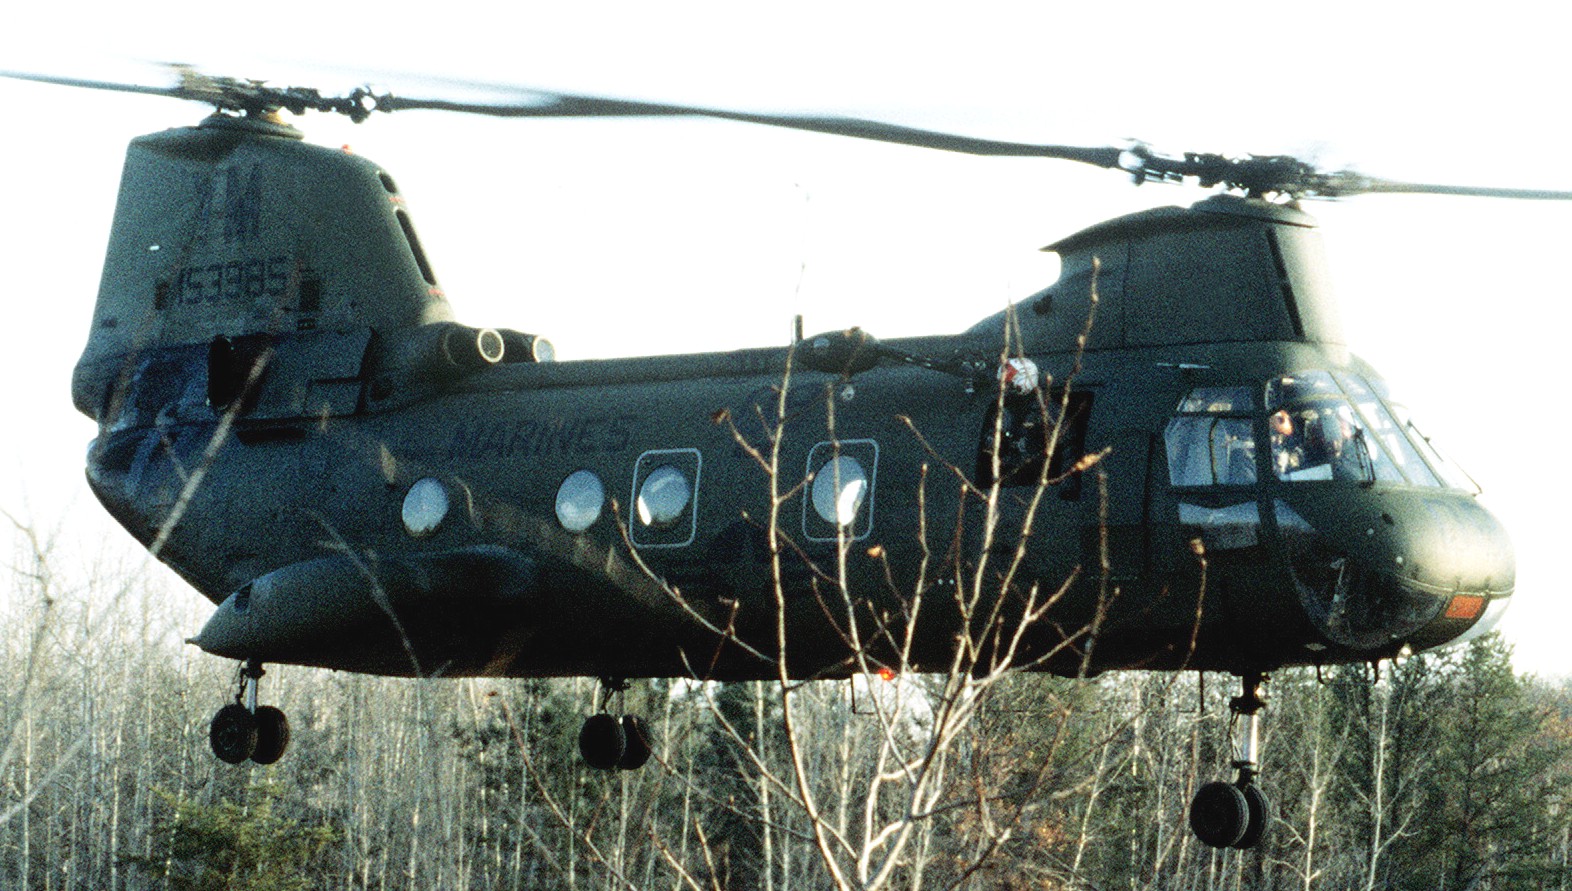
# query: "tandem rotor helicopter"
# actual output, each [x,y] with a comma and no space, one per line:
[293,420]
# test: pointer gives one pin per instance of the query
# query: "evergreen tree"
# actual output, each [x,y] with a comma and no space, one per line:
[245,844]
[1495,792]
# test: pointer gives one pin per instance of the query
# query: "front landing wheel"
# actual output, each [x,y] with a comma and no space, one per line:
[1220,814]
[1260,815]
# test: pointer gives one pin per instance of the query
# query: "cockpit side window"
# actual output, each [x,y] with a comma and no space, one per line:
[1210,440]
[1452,475]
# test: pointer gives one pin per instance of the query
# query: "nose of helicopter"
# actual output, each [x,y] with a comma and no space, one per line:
[1376,570]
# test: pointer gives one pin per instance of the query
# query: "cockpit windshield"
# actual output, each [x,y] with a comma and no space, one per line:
[1319,425]
[1386,429]
[1316,434]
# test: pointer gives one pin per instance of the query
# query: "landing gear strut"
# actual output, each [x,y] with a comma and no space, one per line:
[608,742]
[1234,815]
[242,730]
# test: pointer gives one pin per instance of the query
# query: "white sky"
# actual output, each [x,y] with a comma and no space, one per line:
[620,237]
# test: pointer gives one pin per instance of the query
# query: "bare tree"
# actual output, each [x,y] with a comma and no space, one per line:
[885,779]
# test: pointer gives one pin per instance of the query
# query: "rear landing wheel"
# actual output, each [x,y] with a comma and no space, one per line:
[233,733]
[636,735]
[243,729]
[272,735]
[602,742]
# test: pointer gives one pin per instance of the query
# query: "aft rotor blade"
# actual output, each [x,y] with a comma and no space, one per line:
[178,91]
[251,97]
[563,105]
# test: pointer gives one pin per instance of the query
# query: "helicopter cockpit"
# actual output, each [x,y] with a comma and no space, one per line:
[1320,425]
[1379,536]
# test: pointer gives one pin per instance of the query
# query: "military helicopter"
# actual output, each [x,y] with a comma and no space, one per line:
[293,420]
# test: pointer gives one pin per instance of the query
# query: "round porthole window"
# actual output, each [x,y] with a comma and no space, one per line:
[425,506]
[579,501]
[839,489]
[663,497]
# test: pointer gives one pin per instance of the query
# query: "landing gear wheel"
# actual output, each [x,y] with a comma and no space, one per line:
[1235,815]
[1260,815]
[272,735]
[233,733]
[636,737]
[1220,815]
[243,729]
[602,742]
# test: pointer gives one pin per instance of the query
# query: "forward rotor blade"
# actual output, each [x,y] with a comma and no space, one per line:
[1364,185]
[561,105]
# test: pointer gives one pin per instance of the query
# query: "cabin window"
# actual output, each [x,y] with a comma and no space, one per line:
[840,490]
[162,385]
[580,499]
[232,365]
[425,507]
[1217,400]
[1320,425]
[1447,472]
[310,294]
[665,498]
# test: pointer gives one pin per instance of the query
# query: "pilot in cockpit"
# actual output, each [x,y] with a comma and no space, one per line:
[1287,444]
[1314,444]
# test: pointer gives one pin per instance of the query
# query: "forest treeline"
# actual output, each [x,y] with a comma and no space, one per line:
[1446,770]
